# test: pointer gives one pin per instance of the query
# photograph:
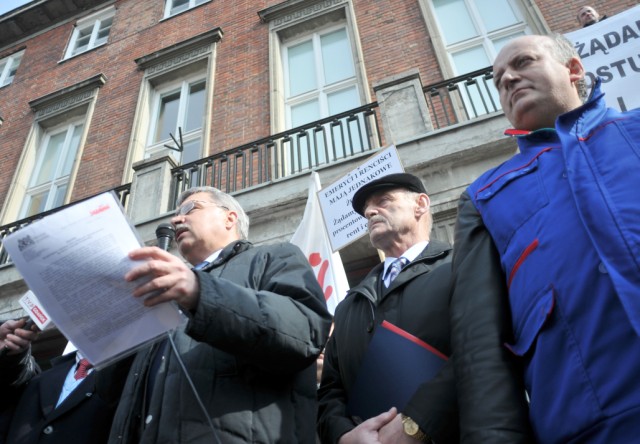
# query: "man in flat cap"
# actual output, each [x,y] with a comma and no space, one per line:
[410,290]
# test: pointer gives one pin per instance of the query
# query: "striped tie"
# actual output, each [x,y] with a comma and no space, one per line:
[396,266]
[82,370]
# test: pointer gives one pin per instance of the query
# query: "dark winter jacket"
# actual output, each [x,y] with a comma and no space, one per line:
[250,348]
[416,301]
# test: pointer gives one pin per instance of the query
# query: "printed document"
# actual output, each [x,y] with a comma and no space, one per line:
[74,261]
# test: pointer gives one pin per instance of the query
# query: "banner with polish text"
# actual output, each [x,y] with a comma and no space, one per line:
[610,49]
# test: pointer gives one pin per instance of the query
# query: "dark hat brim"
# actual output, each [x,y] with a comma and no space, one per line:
[390,181]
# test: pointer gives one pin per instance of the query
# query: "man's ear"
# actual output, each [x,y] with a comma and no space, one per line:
[576,69]
[231,220]
[423,204]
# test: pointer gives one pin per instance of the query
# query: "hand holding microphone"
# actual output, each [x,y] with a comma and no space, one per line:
[16,335]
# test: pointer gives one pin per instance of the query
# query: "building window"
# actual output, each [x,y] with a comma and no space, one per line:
[8,67]
[316,72]
[173,7]
[173,117]
[474,31]
[55,158]
[50,157]
[90,32]
[179,110]
[320,77]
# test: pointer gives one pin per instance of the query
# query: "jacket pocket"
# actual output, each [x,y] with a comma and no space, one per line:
[528,324]
[510,200]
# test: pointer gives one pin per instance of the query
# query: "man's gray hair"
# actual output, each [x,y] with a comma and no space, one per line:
[564,51]
[225,200]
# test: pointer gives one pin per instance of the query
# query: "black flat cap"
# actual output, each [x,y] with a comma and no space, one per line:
[390,181]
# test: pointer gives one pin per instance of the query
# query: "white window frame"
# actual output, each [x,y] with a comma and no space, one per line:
[93,23]
[531,15]
[58,179]
[7,64]
[182,84]
[168,6]
[322,90]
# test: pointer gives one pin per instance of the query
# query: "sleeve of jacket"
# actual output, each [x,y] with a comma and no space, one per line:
[277,319]
[16,370]
[491,393]
[333,421]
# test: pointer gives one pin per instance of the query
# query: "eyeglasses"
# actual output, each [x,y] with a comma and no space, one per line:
[191,205]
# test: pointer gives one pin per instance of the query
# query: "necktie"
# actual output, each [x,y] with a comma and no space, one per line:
[82,370]
[396,266]
[201,265]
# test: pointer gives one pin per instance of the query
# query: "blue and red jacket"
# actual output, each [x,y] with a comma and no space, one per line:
[564,216]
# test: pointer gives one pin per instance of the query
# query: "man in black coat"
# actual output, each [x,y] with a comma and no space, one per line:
[243,369]
[55,406]
[417,301]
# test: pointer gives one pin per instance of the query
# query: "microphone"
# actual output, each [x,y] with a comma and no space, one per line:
[165,233]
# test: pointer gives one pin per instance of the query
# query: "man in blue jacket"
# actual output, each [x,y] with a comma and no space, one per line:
[554,235]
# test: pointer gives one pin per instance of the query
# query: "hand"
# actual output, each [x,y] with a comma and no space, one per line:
[14,338]
[393,433]
[164,278]
[368,431]
[319,365]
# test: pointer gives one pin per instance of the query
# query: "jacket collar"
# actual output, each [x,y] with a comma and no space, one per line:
[424,263]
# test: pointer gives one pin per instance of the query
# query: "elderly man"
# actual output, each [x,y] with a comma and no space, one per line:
[416,300]
[243,368]
[552,234]
[587,16]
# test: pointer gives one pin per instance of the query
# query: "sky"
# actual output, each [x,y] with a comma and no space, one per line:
[8,5]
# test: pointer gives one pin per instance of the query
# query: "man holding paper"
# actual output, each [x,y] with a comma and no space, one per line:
[413,297]
[243,368]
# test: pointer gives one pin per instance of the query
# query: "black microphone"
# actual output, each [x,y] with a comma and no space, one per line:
[165,233]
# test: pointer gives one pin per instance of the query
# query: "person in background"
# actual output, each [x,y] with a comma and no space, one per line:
[587,16]
[17,367]
[67,403]
[549,241]
[243,368]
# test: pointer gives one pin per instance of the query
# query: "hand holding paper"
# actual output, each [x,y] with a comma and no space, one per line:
[164,278]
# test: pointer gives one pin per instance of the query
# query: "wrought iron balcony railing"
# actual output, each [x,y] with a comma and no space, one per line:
[462,98]
[299,149]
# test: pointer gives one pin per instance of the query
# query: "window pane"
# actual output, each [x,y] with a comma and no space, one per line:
[36,203]
[168,116]
[103,32]
[343,100]
[498,44]
[470,60]
[336,57]
[455,20]
[305,113]
[191,151]
[82,42]
[72,150]
[195,107]
[58,200]
[496,14]
[179,6]
[302,68]
[50,158]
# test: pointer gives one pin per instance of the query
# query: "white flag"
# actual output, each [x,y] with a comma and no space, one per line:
[311,238]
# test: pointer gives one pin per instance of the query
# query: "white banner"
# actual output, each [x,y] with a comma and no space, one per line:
[311,238]
[343,224]
[610,49]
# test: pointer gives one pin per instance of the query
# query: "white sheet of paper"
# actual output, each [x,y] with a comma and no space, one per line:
[75,261]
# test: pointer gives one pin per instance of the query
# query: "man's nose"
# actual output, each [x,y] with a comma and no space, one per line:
[370,211]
